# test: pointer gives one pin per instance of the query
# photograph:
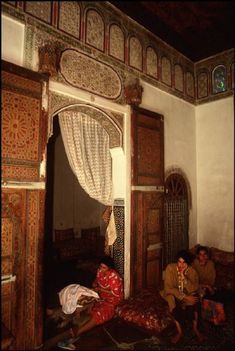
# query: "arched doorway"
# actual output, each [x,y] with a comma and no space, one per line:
[176,217]
[116,141]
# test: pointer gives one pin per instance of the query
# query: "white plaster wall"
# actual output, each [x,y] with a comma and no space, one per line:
[215,173]
[179,140]
[12,40]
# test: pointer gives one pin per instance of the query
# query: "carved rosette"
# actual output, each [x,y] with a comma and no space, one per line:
[133,93]
[48,60]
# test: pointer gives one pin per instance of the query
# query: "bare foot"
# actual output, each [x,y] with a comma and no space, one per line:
[175,338]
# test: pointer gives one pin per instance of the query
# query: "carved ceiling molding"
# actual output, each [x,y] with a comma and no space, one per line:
[170,63]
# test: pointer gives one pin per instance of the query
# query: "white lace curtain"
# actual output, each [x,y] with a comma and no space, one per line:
[87,148]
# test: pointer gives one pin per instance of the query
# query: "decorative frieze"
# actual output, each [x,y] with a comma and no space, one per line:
[100,30]
[84,72]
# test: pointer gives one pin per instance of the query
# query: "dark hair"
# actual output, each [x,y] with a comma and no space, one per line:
[107,260]
[186,255]
[202,248]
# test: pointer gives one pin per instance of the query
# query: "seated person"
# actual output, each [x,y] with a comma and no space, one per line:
[212,306]
[206,271]
[180,286]
[108,284]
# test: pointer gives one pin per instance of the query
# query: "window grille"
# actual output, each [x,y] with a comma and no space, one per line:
[175,217]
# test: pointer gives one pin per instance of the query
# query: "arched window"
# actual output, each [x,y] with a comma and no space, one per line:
[219,81]
[176,217]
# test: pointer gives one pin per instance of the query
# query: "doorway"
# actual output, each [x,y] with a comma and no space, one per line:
[74,229]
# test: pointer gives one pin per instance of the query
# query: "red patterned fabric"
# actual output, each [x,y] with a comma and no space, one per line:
[213,311]
[147,310]
[104,309]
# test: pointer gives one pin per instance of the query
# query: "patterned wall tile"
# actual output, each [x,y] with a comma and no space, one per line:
[69,17]
[202,85]
[86,73]
[151,62]
[166,71]
[118,246]
[135,53]
[95,29]
[39,9]
[31,266]
[189,84]
[6,237]
[179,78]
[20,172]
[116,42]
[20,127]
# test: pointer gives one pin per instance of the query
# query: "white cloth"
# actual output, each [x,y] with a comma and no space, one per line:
[70,294]
[111,233]
[86,145]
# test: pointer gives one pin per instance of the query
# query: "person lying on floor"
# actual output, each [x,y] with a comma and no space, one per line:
[180,286]
[109,285]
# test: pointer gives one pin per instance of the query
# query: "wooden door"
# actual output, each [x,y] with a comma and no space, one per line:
[147,199]
[24,130]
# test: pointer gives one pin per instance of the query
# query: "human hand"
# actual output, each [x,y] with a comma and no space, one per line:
[191,299]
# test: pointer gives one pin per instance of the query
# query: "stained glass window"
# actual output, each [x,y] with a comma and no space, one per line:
[219,82]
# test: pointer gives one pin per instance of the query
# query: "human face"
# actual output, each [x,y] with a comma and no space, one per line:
[203,257]
[181,264]
[103,267]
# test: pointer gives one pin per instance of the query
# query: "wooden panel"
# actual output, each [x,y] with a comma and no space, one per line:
[12,254]
[148,151]
[24,130]
[23,124]
[146,206]
[154,268]
[147,231]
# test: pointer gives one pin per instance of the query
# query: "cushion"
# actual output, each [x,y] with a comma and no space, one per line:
[221,256]
[224,276]
[147,310]
[64,234]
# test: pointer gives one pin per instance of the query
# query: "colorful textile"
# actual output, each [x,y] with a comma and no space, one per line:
[213,311]
[147,310]
[104,309]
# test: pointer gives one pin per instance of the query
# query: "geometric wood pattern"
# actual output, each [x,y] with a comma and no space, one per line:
[147,234]
[135,53]
[166,71]
[24,131]
[151,62]
[146,204]
[40,9]
[148,145]
[23,124]
[116,42]
[189,84]
[12,244]
[202,85]
[20,127]
[95,29]
[179,78]
[69,17]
